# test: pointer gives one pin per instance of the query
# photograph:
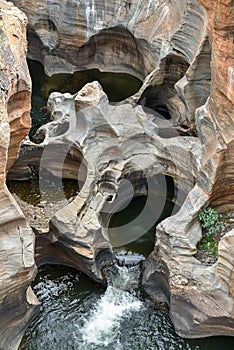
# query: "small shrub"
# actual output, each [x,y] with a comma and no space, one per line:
[209,219]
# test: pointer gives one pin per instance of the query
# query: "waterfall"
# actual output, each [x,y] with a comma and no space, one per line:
[77,314]
[94,20]
[117,304]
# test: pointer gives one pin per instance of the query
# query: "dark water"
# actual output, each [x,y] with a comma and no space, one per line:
[143,214]
[76,314]
[30,191]
[118,86]
[145,244]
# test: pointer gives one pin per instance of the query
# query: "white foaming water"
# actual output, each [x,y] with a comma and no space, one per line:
[103,323]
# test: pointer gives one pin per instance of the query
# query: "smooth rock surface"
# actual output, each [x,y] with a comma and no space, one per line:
[111,35]
[116,144]
[16,237]
[14,66]
[155,41]
[201,297]
[220,107]
[166,45]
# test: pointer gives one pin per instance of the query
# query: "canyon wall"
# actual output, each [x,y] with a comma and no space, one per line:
[201,298]
[17,266]
[220,106]
[117,36]
[167,45]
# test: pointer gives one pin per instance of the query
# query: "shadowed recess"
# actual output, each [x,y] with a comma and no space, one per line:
[159,96]
[117,86]
[150,210]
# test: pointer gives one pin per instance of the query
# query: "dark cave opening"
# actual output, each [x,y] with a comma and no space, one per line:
[132,225]
[117,86]
[160,95]
[161,109]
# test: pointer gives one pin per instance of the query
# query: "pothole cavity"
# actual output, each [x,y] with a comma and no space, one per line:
[132,226]
[161,96]
[117,86]
[30,194]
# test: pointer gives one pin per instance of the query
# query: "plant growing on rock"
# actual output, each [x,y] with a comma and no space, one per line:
[210,221]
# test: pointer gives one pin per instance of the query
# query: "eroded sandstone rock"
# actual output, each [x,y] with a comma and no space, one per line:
[220,105]
[16,237]
[114,143]
[201,298]
[14,65]
[172,55]
[201,301]
[117,36]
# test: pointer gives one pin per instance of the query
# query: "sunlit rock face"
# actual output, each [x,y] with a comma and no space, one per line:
[17,302]
[13,64]
[162,43]
[201,298]
[220,107]
[118,36]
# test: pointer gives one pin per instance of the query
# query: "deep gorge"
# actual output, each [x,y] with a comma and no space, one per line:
[130,138]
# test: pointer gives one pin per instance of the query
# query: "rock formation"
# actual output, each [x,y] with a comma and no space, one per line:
[14,65]
[16,238]
[219,107]
[165,44]
[201,298]
[130,154]
[68,36]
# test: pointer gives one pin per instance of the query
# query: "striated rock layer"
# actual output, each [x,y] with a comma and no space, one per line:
[219,107]
[14,65]
[201,298]
[126,36]
[166,45]
[17,267]
[156,41]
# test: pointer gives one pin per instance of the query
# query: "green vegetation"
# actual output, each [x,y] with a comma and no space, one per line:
[210,221]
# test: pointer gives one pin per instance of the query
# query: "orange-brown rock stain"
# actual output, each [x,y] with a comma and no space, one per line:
[221,34]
